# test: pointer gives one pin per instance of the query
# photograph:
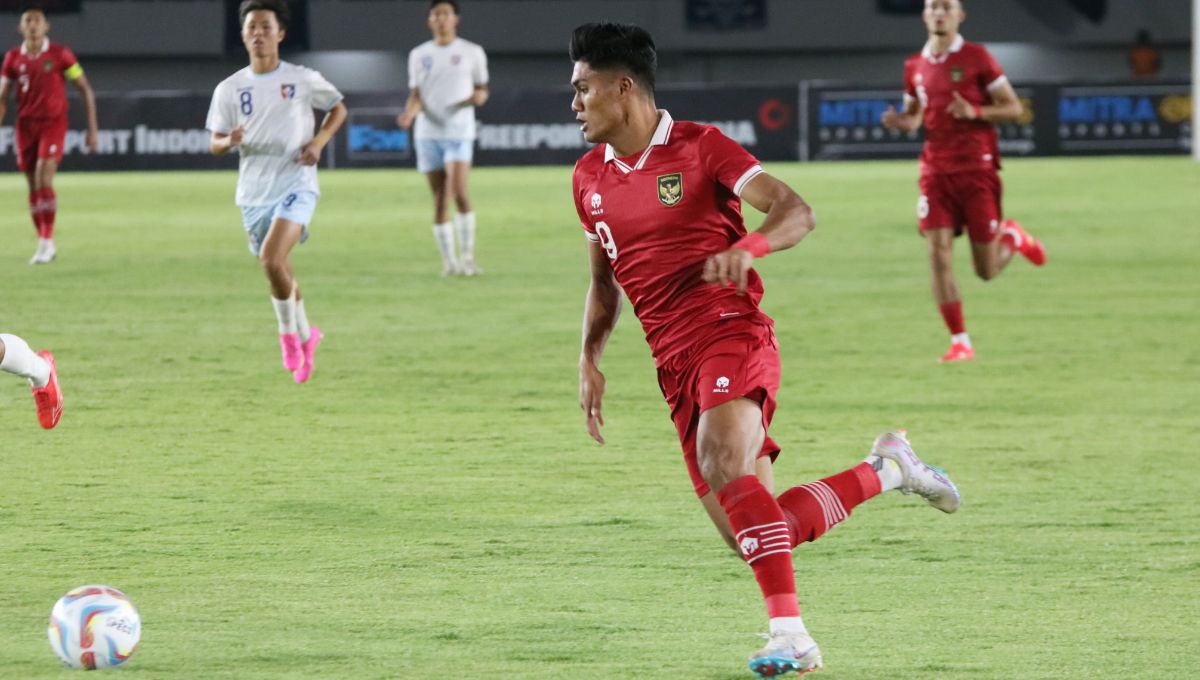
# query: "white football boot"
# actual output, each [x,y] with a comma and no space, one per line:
[785,653]
[919,477]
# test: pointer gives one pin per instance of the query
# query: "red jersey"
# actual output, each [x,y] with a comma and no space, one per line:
[40,79]
[953,145]
[659,216]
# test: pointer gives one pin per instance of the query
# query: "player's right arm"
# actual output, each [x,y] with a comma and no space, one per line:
[411,108]
[222,143]
[909,118]
[600,311]
[5,92]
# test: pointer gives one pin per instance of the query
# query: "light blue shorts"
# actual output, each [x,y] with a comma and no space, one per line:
[297,207]
[434,154]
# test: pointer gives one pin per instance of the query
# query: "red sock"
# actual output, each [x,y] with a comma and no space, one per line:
[35,211]
[49,209]
[812,509]
[952,314]
[762,535]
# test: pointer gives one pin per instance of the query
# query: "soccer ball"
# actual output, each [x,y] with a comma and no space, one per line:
[94,627]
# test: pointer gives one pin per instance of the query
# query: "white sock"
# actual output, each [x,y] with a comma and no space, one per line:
[788,624]
[301,320]
[961,338]
[464,226]
[285,311]
[20,360]
[444,235]
[890,476]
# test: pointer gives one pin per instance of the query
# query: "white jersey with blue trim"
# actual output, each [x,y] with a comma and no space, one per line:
[446,76]
[276,110]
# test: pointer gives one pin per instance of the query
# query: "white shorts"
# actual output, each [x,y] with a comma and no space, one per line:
[296,207]
[434,154]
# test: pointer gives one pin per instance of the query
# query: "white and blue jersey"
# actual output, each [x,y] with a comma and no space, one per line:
[276,110]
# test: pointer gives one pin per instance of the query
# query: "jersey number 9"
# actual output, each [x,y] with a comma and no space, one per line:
[606,240]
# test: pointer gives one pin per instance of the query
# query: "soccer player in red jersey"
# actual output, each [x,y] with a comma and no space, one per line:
[38,71]
[38,369]
[660,204]
[959,91]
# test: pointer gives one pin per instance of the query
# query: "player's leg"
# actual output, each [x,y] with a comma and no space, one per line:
[945,292]
[459,155]
[766,475]
[275,258]
[50,153]
[431,162]
[298,208]
[26,139]
[729,439]
[38,367]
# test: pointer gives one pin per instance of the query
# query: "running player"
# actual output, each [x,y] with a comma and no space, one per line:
[38,368]
[38,71]
[447,79]
[660,204]
[958,90]
[265,111]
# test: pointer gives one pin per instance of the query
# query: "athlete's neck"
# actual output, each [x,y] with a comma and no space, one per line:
[636,134]
[443,40]
[266,64]
[938,44]
[33,47]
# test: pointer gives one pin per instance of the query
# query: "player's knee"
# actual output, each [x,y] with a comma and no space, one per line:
[987,272]
[721,462]
[273,265]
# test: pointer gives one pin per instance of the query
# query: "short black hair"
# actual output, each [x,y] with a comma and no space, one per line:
[32,6]
[452,3]
[279,7]
[606,46]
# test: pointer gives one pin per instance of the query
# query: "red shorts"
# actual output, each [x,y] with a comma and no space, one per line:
[742,361]
[39,138]
[955,201]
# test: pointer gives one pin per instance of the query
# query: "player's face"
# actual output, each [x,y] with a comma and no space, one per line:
[261,33]
[597,102]
[942,17]
[33,25]
[442,20]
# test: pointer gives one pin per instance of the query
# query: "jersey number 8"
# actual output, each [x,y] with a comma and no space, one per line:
[247,105]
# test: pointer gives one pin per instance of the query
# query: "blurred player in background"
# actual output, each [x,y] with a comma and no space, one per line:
[447,79]
[265,111]
[958,90]
[660,204]
[38,71]
[38,368]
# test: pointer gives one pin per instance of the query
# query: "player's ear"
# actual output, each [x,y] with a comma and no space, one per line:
[625,85]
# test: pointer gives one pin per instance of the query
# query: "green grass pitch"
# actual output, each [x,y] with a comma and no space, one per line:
[430,506]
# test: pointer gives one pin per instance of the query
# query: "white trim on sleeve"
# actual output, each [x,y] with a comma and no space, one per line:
[908,99]
[754,171]
[590,236]
[4,81]
[997,82]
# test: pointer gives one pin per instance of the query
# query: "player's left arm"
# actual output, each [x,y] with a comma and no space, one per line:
[80,81]
[479,74]
[789,219]
[5,93]
[1005,107]
[311,152]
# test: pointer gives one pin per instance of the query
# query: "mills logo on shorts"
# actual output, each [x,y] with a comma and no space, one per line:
[722,385]
[670,189]
[288,90]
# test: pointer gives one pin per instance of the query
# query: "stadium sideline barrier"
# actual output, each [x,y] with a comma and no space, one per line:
[799,121]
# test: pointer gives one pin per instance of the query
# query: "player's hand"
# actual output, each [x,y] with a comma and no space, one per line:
[92,141]
[729,267]
[961,108]
[310,153]
[235,136]
[591,390]
[891,119]
[405,120]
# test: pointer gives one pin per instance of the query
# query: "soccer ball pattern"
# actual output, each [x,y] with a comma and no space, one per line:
[94,627]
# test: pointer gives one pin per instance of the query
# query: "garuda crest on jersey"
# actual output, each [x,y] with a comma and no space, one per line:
[670,189]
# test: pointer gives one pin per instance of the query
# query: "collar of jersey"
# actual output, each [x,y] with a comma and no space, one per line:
[955,45]
[268,74]
[45,48]
[662,135]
